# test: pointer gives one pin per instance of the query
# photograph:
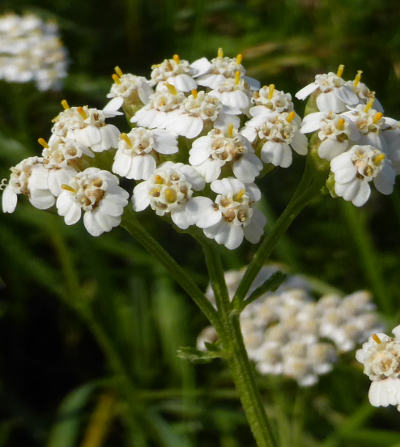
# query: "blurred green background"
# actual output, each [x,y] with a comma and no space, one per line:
[89,328]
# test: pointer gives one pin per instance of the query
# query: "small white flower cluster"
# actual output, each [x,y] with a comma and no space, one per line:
[361,144]
[380,356]
[63,176]
[288,333]
[31,50]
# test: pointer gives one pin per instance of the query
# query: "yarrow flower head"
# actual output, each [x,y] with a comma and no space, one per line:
[96,193]
[288,333]
[31,51]
[271,98]
[380,356]
[175,71]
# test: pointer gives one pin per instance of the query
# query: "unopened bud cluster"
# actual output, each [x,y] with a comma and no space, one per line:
[288,333]
[31,51]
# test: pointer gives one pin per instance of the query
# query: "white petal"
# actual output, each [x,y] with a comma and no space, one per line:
[312,122]
[329,102]
[362,195]
[91,224]
[64,203]
[114,104]
[122,162]
[384,181]
[224,119]
[255,229]
[247,167]
[229,235]
[109,137]
[73,214]
[42,199]
[347,95]
[183,82]
[182,218]
[200,151]
[249,132]
[213,81]
[142,167]
[210,169]
[192,176]
[203,213]
[306,91]
[9,200]
[110,207]
[279,154]
[165,143]
[254,84]
[342,161]
[331,148]
[227,186]
[200,66]
[254,192]
[140,197]
[299,143]
[237,101]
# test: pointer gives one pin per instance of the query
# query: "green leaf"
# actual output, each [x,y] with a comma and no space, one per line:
[270,285]
[194,355]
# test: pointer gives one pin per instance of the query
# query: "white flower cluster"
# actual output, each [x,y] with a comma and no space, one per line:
[361,144]
[288,333]
[31,50]
[380,356]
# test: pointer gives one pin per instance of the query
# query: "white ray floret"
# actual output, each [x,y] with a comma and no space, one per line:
[363,92]
[333,94]
[272,99]
[355,169]
[30,178]
[233,215]
[211,153]
[276,133]
[98,195]
[380,356]
[128,90]
[169,190]
[177,72]
[334,131]
[136,157]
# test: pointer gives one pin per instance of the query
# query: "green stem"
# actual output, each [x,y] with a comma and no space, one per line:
[136,230]
[308,188]
[232,340]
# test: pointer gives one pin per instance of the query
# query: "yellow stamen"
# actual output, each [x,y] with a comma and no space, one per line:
[65,104]
[357,78]
[171,88]
[43,142]
[376,338]
[230,130]
[238,197]
[81,112]
[340,123]
[125,137]
[194,94]
[369,104]
[378,159]
[340,70]
[271,89]
[118,71]
[158,179]
[170,195]
[68,188]
[239,58]
[176,58]
[290,117]
[377,117]
[237,77]
[116,78]
[220,52]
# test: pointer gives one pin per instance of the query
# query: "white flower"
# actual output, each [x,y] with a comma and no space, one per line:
[369,124]
[30,50]
[274,100]
[176,72]
[233,214]
[156,113]
[198,111]
[169,190]
[277,133]
[334,132]
[363,92]
[96,193]
[391,136]
[354,169]
[234,94]
[137,152]
[29,177]
[86,126]
[333,94]
[209,154]
[129,90]
[212,74]
[380,356]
